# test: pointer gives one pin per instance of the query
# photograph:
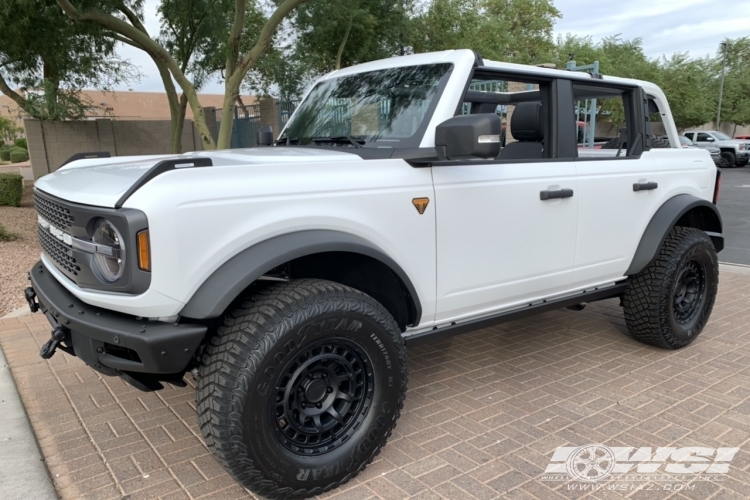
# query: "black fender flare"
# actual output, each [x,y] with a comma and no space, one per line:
[665,218]
[231,278]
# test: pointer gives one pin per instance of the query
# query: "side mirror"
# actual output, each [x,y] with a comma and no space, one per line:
[469,137]
[710,139]
[264,136]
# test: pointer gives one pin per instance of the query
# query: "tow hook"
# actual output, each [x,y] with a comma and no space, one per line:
[48,349]
[30,296]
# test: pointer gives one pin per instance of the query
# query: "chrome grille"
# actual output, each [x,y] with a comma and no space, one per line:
[54,213]
[58,251]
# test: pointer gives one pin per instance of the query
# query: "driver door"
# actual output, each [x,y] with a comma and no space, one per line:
[502,240]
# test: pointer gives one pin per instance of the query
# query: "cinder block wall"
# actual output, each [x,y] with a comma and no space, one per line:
[52,143]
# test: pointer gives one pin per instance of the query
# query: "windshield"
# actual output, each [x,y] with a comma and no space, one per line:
[386,108]
[721,136]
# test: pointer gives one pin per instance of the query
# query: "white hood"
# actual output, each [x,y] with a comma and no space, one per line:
[103,181]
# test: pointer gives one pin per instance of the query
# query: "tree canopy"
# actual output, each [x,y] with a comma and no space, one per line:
[277,47]
[517,31]
[42,51]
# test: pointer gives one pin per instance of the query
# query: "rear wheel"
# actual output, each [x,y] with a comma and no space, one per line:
[301,387]
[668,303]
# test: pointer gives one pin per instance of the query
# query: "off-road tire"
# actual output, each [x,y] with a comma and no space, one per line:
[656,143]
[654,302]
[659,142]
[263,361]
[728,159]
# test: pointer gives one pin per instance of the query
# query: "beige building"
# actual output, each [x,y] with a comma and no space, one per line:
[127,105]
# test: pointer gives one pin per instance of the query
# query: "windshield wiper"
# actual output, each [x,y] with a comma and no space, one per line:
[286,141]
[357,142]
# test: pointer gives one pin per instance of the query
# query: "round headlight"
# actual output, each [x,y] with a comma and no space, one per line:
[110,256]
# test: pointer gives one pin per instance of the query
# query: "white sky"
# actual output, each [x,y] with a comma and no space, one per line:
[666,27]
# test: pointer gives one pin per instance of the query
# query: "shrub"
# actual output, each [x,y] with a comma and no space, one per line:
[18,155]
[21,143]
[11,189]
[6,235]
[5,154]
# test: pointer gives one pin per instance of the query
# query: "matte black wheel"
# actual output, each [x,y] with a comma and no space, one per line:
[301,387]
[323,395]
[668,303]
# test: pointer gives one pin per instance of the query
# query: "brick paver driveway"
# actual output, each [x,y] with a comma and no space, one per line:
[484,412]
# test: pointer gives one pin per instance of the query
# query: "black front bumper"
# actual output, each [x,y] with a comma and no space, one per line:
[110,342]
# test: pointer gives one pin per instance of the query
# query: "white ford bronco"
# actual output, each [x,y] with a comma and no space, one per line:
[405,200]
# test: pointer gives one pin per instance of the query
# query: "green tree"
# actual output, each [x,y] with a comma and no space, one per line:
[735,104]
[326,35]
[41,50]
[339,33]
[191,31]
[243,49]
[517,31]
[8,129]
[689,85]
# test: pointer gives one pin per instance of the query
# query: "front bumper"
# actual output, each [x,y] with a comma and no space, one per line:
[110,342]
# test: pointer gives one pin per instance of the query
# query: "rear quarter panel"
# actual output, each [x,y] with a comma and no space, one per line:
[685,170]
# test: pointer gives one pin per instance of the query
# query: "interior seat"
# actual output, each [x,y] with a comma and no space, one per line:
[527,128]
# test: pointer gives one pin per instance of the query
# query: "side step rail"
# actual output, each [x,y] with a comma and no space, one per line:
[439,333]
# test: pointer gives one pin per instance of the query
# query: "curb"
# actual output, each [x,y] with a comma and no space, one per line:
[734,268]
[23,472]
[21,311]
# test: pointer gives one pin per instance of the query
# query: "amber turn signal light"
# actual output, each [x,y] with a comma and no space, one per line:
[144,251]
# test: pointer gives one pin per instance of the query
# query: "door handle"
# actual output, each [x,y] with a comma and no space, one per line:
[555,194]
[645,186]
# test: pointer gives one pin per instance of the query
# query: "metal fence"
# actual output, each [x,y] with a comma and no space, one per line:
[244,128]
[286,108]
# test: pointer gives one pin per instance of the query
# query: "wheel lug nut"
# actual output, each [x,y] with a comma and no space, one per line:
[303,405]
[329,390]
[319,405]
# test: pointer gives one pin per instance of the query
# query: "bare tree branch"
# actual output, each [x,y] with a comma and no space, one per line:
[17,98]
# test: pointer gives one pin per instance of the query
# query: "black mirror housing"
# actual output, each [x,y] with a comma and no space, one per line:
[264,136]
[467,137]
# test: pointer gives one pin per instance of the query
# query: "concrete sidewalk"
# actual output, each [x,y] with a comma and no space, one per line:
[23,474]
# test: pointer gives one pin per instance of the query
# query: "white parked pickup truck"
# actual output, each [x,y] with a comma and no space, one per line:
[406,200]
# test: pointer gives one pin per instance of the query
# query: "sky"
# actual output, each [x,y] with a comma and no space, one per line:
[666,27]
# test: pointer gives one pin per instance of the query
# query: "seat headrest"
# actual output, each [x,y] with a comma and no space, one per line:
[526,122]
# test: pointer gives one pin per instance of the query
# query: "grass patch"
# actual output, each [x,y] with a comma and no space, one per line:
[6,235]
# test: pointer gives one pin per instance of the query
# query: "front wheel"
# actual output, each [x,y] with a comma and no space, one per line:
[668,303]
[301,387]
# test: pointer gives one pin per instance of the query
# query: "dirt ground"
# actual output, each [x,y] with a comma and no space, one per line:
[17,257]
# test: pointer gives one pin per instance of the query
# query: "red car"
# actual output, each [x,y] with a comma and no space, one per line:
[742,136]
